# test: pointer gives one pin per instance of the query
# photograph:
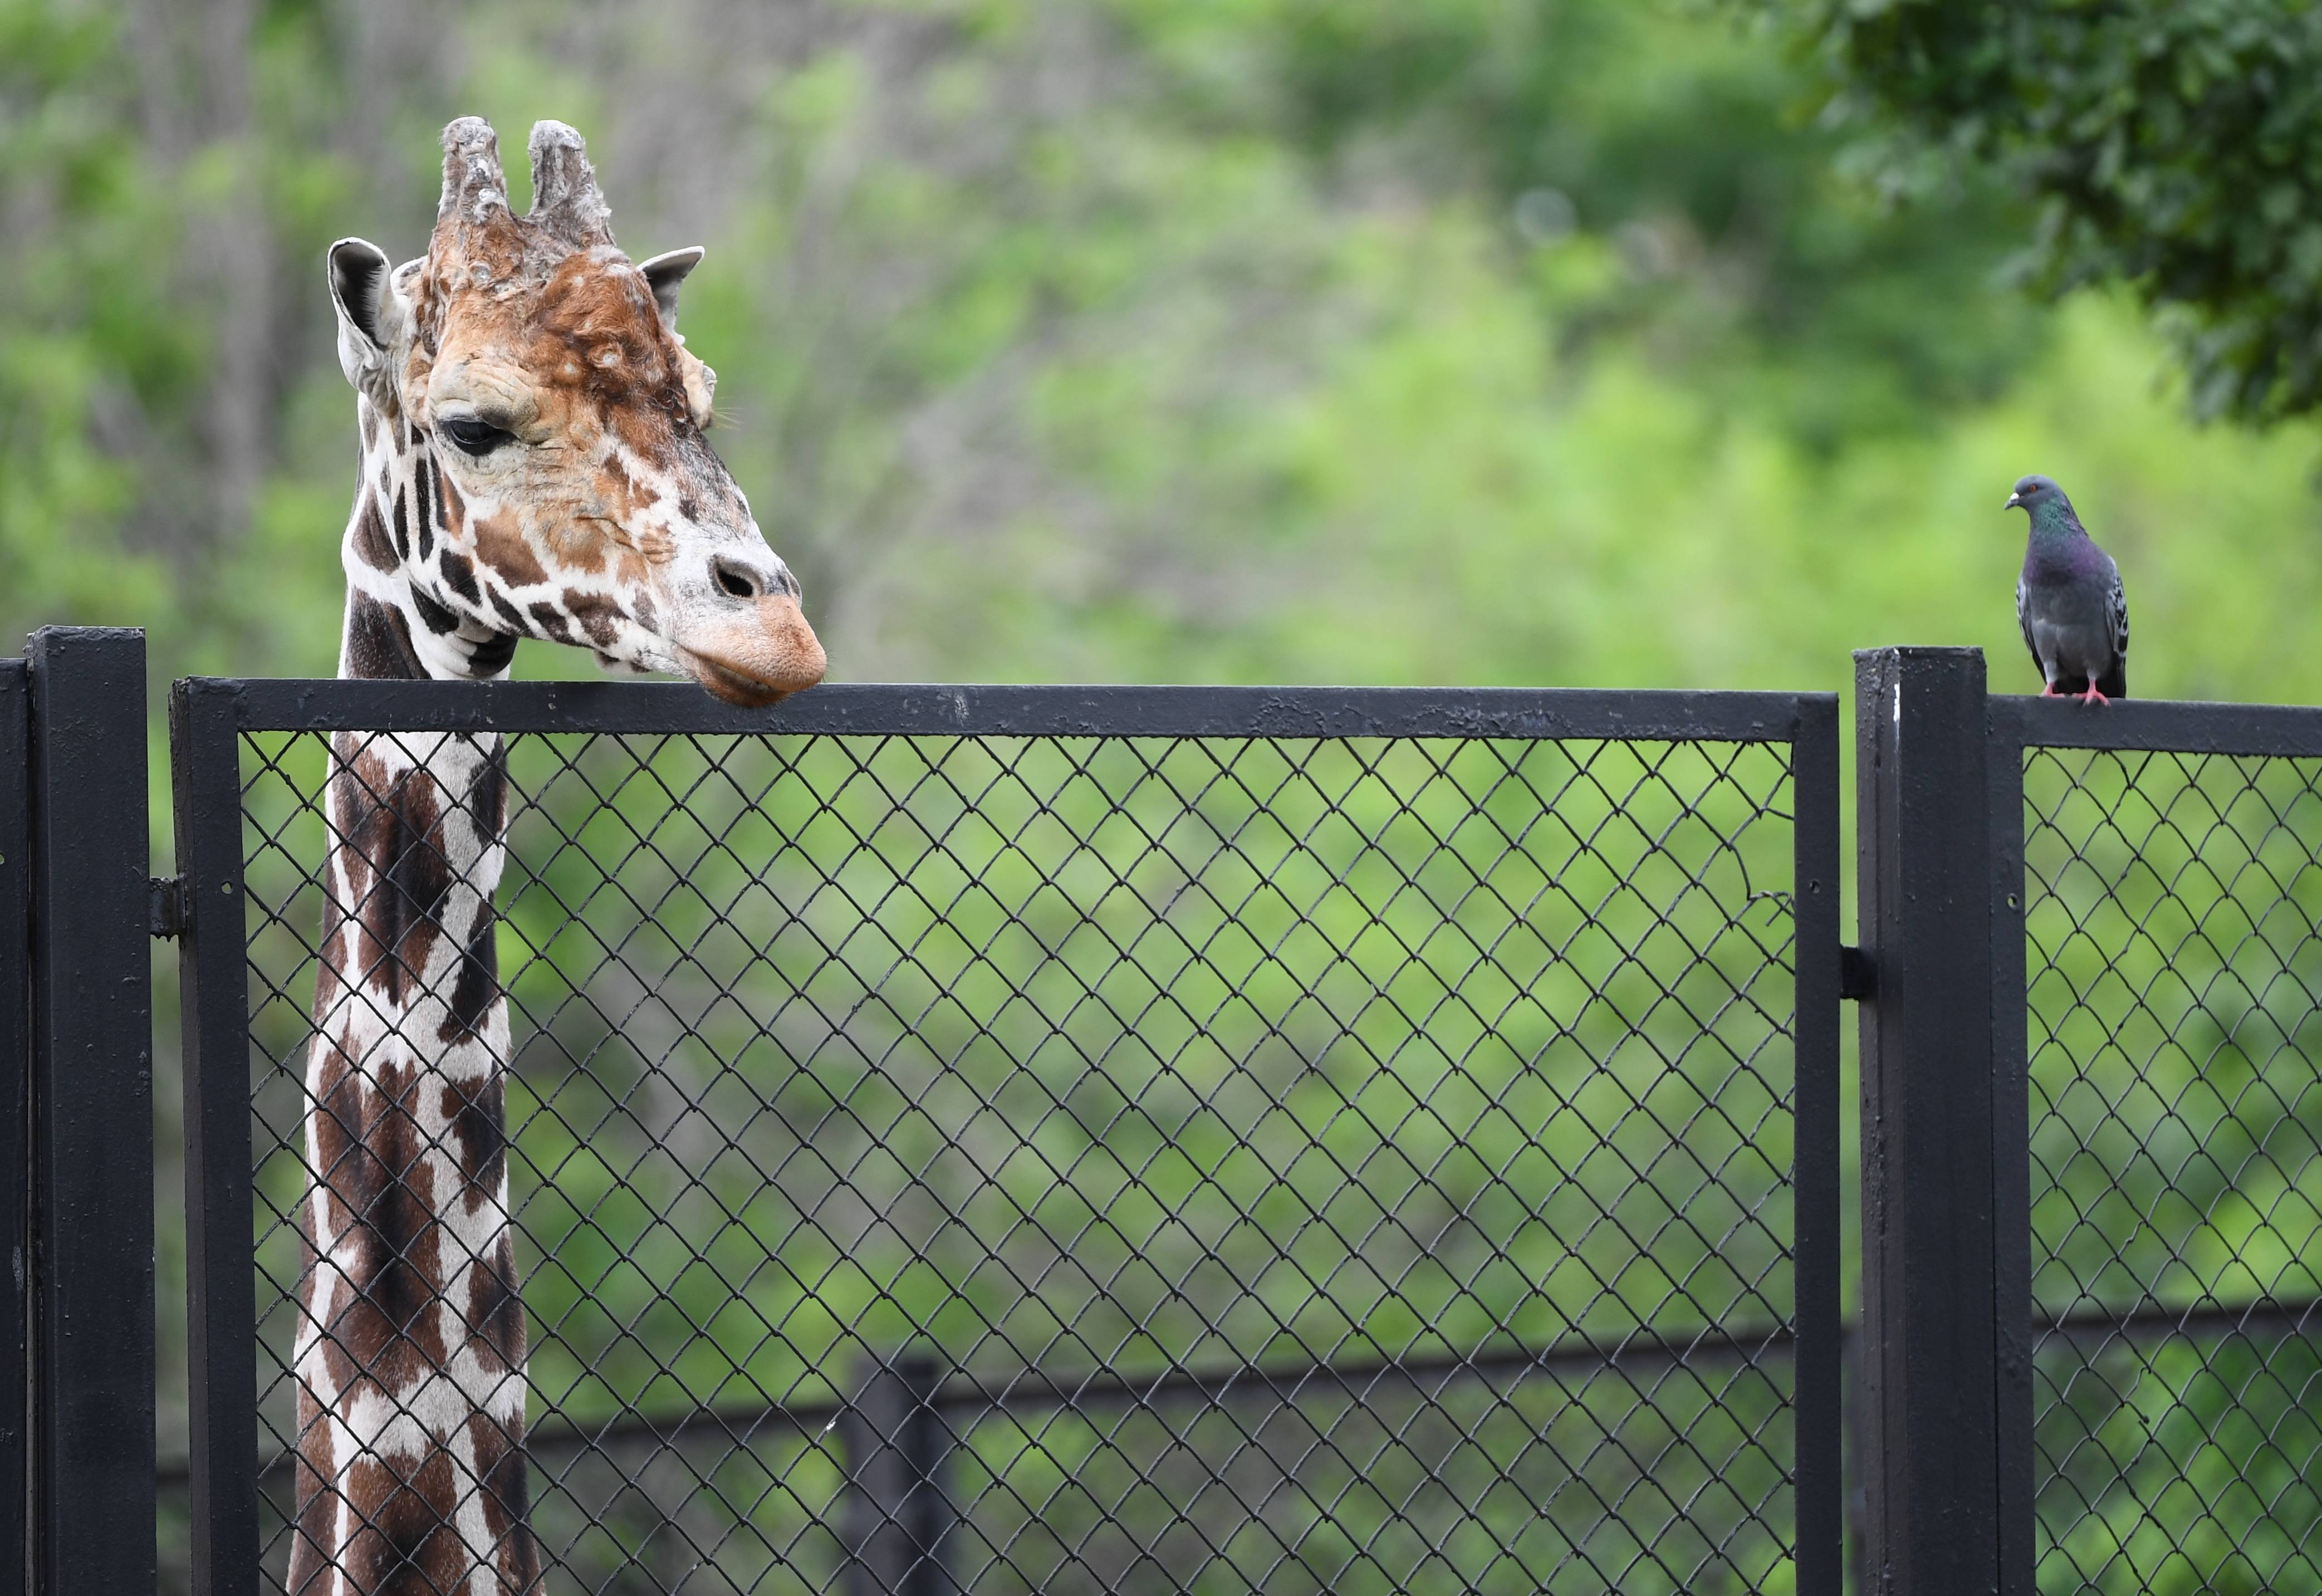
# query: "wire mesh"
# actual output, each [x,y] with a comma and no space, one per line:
[1251,1164]
[2174,967]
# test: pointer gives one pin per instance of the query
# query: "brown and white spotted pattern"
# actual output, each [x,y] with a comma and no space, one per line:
[532,465]
[410,1360]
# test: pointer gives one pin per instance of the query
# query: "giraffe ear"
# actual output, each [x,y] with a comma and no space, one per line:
[358,274]
[664,272]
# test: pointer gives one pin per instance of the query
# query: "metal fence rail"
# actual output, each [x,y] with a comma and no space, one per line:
[1041,1139]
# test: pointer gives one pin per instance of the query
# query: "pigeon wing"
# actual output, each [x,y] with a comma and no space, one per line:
[2114,683]
[2023,620]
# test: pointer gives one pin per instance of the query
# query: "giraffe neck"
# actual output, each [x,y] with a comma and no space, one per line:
[409,1359]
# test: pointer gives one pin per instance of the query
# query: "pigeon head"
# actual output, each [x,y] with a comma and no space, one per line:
[2036,494]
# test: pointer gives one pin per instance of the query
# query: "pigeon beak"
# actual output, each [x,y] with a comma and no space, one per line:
[2013,500]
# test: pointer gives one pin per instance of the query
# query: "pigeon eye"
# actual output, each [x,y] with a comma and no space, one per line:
[475,438]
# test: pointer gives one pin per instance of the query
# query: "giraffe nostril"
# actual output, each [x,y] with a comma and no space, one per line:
[735,579]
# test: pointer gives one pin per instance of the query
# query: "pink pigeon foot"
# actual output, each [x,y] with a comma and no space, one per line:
[2048,690]
[2093,697]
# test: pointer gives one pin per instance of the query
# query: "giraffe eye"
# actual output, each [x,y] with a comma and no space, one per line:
[474,436]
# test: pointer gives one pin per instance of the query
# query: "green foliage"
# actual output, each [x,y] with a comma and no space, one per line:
[1184,374]
[1749,257]
[2173,145]
[86,335]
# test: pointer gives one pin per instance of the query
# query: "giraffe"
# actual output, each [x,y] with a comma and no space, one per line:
[531,463]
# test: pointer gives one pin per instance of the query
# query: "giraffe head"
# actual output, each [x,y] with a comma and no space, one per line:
[530,381]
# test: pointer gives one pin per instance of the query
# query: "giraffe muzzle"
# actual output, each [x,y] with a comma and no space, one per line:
[759,656]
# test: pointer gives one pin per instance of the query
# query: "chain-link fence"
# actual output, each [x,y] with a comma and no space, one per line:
[1141,1162]
[1079,1139]
[2173,915]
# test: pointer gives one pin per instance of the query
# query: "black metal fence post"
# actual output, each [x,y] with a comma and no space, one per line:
[1934,1208]
[92,1127]
[15,1108]
[898,1515]
[221,1291]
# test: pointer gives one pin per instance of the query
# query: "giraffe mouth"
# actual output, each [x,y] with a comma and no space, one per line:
[755,666]
[724,681]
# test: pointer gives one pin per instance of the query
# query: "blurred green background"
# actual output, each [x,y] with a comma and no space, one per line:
[1482,341]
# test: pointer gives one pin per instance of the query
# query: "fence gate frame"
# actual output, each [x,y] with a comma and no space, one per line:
[208,717]
[2014,727]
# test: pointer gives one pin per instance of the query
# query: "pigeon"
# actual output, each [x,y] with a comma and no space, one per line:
[2069,601]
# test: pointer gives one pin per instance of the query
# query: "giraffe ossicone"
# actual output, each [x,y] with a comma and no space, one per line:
[531,463]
